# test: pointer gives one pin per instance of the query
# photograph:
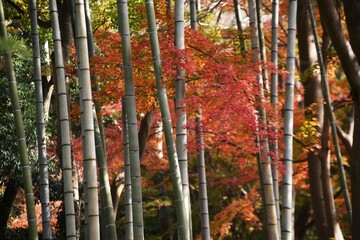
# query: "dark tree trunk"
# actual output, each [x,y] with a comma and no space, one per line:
[144,132]
[303,221]
[117,187]
[349,58]
[355,173]
[313,95]
[333,227]
[65,30]
[352,13]
[6,204]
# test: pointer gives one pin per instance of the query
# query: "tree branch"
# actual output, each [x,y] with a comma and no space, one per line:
[41,23]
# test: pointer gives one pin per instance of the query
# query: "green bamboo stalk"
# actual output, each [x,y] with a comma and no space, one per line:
[106,201]
[183,229]
[65,126]
[87,123]
[129,230]
[274,146]
[193,14]
[40,126]
[71,9]
[287,197]
[137,208]
[263,154]
[91,49]
[204,209]
[20,133]
[108,221]
[326,94]
[180,110]
[262,46]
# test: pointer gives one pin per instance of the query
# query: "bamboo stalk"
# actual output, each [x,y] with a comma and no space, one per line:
[64,124]
[20,133]
[129,230]
[287,224]
[136,192]
[40,125]
[263,156]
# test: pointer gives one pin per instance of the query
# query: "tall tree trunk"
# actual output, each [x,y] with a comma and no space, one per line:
[350,65]
[324,155]
[204,210]
[274,145]
[40,126]
[20,133]
[129,230]
[87,124]
[91,49]
[355,171]
[334,230]
[263,148]
[105,191]
[183,228]
[352,13]
[312,97]
[287,224]
[107,212]
[66,154]
[137,207]
[180,109]
[262,47]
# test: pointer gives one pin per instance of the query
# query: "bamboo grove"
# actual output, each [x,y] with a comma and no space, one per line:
[163,119]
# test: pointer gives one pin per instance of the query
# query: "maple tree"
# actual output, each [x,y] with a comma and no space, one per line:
[223,81]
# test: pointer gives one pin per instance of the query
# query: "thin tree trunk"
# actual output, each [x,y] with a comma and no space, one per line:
[105,191]
[20,134]
[129,230]
[40,126]
[274,101]
[183,228]
[180,109]
[262,47]
[204,210]
[287,225]
[263,154]
[64,126]
[137,204]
